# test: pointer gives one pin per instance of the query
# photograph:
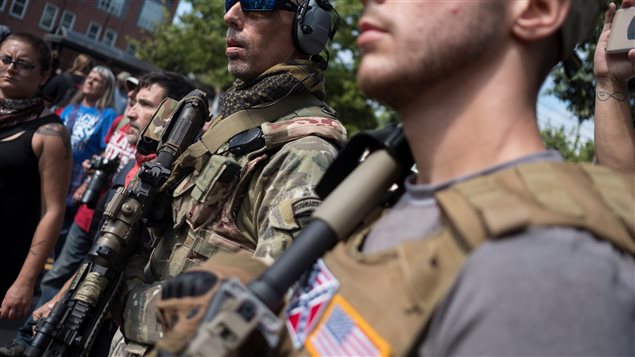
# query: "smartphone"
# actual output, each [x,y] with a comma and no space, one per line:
[622,36]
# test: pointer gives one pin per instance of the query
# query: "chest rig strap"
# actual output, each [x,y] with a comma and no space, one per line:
[246,119]
[542,194]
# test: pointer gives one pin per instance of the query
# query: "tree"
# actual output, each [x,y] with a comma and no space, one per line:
[195,45]
[578,92]
[574,151]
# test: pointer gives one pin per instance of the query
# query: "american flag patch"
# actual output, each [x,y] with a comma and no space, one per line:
[344,332]
[308,302]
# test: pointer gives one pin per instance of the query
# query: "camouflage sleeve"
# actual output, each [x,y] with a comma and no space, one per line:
[137,311]
[134,277]
[281,195]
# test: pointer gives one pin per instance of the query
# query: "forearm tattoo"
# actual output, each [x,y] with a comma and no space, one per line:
[59,131]
[36,244]
[604,96]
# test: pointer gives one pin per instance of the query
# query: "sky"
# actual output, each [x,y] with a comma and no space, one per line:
[551,111]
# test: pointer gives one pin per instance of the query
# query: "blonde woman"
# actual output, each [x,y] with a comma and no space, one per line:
[88,119]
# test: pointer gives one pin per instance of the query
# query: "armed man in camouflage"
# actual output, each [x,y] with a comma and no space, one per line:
[250,191]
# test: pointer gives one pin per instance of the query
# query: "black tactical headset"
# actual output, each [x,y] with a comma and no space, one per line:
[314,26]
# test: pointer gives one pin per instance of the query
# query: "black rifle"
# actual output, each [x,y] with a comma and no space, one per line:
[71,327]
[352,190]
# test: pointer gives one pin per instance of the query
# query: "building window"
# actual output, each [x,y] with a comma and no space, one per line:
[18,8]
[151,15]
[49,15]
[2,4]
[68,20]
[114,7]
[132,49]
[93,30]
[110,37]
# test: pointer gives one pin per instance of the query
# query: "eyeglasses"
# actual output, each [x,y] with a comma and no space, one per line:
[262,5]
[22,67]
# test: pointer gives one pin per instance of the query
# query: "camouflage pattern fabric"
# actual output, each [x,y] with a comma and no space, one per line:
[252,204]
[160,119]
[142,322]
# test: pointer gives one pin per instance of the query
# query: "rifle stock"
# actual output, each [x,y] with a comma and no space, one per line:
[71,328]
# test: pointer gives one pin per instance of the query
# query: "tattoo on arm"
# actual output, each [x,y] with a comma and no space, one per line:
[35,245]
[59,131]
[604,96]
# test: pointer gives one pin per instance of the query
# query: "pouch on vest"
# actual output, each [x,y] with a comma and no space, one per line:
[208,192]
[199,247]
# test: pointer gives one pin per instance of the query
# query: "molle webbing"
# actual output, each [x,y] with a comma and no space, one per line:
[246,119]
[224,129]
[586,197]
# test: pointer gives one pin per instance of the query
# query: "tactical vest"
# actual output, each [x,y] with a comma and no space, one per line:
[381,303]
[206,202]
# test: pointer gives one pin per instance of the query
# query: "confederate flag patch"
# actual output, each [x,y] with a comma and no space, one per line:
[308,302]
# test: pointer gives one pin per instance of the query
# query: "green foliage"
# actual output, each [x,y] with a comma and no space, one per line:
[579,92]
[574,151]
[195,45]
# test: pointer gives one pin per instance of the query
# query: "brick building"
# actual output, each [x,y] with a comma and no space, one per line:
[101,28]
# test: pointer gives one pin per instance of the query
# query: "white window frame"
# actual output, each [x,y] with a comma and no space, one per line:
[55,13]
[24,8]
[74,17]
[93,23]
[114,37]
[3,3]
[116,10]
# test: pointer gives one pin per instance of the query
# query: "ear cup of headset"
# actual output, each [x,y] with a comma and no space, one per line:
[313,27]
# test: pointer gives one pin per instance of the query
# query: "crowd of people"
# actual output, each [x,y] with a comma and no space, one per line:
[495,247]
[51,129]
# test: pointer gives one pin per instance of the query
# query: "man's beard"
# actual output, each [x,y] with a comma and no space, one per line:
[438,58]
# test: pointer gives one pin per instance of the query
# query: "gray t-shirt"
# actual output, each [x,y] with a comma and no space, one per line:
[544,292]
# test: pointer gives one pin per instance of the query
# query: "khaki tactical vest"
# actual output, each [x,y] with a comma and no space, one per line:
[385,300]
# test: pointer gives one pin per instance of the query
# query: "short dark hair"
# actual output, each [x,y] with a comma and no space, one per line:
[38,45]
[176,86]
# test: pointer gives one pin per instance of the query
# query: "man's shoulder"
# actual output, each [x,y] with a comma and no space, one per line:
[556,246]
[292,129]
[523,293]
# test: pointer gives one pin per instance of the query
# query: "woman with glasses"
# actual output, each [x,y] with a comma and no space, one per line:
[35,166]
[88,118]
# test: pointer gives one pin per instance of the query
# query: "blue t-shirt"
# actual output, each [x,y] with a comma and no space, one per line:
[90,126]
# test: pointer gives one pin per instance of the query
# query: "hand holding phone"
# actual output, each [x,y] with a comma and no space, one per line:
[622,36]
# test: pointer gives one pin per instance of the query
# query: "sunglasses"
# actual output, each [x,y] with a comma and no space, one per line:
[262,5]
[22,67]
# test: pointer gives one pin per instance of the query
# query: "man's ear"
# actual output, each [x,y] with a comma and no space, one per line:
[538,19]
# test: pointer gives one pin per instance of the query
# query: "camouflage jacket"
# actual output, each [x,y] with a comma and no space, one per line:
[253,204]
